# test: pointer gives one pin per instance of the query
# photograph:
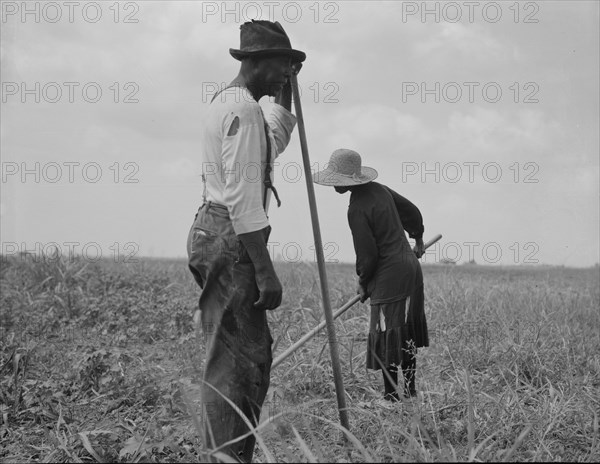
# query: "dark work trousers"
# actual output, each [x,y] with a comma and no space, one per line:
[237,336]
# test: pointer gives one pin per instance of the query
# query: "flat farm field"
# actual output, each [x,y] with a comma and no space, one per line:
[100,362]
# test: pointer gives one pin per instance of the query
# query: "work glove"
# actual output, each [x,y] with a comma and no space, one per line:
[419,248]
[268,284]
[269,288]
[362,291]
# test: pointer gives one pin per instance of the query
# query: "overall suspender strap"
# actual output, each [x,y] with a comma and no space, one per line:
[267,181]
[217,94]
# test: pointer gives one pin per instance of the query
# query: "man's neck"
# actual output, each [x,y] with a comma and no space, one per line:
[243,81]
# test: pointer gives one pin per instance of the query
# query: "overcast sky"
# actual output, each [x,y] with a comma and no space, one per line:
[483,114]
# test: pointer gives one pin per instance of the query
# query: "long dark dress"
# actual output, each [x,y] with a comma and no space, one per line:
[389,269]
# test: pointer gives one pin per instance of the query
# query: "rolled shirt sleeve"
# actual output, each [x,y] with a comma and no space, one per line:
[282,123]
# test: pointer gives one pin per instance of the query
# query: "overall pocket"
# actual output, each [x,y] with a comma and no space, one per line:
[208,244]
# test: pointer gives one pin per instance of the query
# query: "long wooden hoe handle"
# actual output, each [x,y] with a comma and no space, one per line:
[322,324]
[329,321]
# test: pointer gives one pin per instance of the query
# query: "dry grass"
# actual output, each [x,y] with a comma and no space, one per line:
[101,362]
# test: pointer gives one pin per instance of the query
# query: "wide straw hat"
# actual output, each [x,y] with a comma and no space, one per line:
[344,170]
[260,37]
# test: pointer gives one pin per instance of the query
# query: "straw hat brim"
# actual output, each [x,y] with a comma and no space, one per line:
[297,55]
[332,178]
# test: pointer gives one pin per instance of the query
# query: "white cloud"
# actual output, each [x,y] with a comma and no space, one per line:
[462,42]
[375,129]
[368,53]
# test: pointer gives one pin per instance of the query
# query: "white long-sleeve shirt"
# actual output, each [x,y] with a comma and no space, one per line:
[233,165]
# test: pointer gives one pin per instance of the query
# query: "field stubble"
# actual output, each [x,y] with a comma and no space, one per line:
[101,362]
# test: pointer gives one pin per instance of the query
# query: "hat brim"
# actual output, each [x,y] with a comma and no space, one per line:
[331,178]
[296,55]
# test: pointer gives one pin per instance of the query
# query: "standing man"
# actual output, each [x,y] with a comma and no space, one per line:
[227,244]
[388,271]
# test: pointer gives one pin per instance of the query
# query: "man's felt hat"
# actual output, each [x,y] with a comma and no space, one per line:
[344,170]
[259,37]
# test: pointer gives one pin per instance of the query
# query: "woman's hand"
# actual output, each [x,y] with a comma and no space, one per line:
[419,248]
[362,291]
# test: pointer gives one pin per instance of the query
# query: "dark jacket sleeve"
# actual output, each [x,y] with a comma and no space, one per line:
[365,246]
[410,216]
